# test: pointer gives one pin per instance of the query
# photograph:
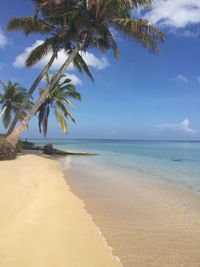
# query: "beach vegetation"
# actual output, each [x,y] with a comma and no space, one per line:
[11,98]
[58,100]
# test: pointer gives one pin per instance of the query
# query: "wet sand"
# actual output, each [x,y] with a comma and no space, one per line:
[147,222]
[42,223]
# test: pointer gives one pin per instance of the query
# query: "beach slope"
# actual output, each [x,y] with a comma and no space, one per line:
[42,224]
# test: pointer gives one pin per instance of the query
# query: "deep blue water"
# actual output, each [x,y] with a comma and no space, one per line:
[176,162]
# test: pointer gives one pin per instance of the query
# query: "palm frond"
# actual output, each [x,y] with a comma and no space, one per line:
[61,120]
[39,52]
[105,40]
[68,102]
[81,65]
[142,31]
[3,84]
[66,112]
[71,116]
[29,25]
[72,93]
[43,114]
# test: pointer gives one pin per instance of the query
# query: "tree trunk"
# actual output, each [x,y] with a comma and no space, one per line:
[3,111]
[30,93]
[13,138]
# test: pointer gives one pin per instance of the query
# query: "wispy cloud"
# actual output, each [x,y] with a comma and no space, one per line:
[175,13]
[181,79]
[185,33]
[183,127]
[3,39]
[90,59]
[190,34]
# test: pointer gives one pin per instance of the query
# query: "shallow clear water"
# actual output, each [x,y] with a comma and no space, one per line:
[133,190]
[173,162]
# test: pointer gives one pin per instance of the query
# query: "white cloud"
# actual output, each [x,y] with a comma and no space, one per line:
[93,61]
[175,13]
[3,39]
[90,59]
[75,79]
[181,79]
[182,127]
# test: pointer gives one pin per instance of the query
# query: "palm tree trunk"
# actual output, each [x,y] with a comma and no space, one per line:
[14,137]
[3,111]
[30,93]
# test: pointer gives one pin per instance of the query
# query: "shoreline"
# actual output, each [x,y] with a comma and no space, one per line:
[65,165]
[155,223]
[156,203]
[44,224]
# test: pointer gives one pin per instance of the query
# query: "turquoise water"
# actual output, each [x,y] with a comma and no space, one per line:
[171,161]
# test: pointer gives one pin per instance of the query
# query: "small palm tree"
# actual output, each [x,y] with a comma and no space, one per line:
[58,99]
[10,101]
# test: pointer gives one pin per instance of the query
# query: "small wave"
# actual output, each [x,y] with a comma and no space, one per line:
[66,163]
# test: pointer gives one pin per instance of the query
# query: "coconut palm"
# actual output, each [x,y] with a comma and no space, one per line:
[10,101]
[93,27]
[59,38]
[58,99]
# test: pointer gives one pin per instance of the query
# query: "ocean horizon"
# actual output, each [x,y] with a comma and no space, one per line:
[175,162]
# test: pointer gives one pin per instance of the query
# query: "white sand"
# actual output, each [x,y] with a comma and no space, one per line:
[42,224]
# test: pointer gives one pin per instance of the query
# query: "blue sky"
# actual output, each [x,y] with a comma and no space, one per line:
[140,96]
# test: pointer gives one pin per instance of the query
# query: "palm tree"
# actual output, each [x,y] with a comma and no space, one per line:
[59,38]
[10,101]
[93,27]
[58,99]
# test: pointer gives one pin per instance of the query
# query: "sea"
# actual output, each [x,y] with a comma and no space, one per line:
[143,196]
[176,162]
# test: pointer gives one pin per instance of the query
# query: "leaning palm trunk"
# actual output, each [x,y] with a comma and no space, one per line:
[30,93]
[14,137]
[3,111]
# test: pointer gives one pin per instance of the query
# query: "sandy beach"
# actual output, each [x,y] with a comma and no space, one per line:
[42,224]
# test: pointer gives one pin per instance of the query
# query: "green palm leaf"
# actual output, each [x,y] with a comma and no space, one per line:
[11,100]
[40,51]
[80,64]
[58,99]
[29,25]
[61,120]
[141,30]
